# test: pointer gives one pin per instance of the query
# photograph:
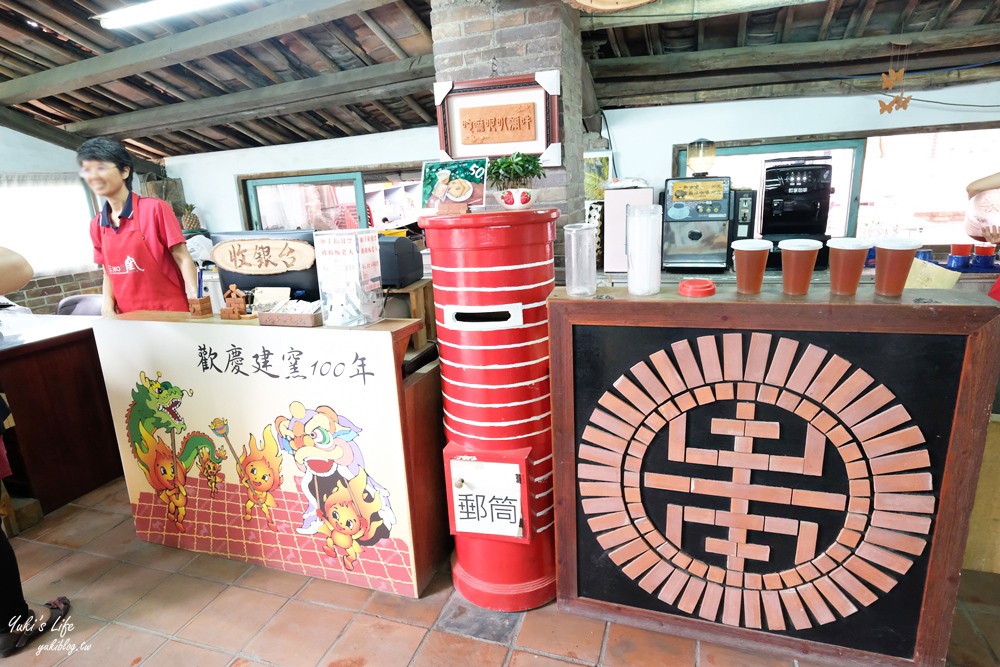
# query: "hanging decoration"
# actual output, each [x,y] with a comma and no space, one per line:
[893,79]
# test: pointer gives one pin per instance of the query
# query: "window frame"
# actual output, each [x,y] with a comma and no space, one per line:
[251,208]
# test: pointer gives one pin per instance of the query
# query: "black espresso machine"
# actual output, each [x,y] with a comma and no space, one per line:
[797,203]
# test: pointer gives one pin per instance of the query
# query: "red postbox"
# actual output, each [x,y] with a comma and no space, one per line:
[492,275]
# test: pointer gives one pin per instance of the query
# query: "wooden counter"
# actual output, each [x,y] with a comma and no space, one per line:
[792,475]
[254,426]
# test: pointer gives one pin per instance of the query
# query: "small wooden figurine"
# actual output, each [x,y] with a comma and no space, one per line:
[236,304]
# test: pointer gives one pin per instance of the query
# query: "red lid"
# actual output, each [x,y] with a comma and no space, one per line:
[696,287]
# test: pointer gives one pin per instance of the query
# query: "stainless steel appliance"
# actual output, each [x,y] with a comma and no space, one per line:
[696,214]
[743,219]
[797,202]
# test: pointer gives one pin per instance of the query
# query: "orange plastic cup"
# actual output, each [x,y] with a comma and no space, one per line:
[961,249]
[798,259]
[986,249]
[847,262]
[893,259]
[750,260]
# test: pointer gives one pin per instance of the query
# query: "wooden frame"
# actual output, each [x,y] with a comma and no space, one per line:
[352,178]
[918,312]
[542,89]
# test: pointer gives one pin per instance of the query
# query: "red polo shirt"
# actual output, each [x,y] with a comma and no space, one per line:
[136,255]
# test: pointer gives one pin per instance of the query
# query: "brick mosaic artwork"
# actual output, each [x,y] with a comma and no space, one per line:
[217,526]
[768,445]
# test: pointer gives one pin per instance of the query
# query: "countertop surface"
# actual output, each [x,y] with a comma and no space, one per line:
[17,329]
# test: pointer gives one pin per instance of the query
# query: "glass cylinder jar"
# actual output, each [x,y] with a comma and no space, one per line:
[581,259]
[643,245]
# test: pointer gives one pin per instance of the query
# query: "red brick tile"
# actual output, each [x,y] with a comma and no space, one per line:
[442,648]
[668,482]
[759,429]
[773,610]
[820,611]
[699,515]
[835,596]
[806,368]
[686,402]
[732,354]
[618,536]
[901,502]
[746,391]
[692,594]
[737,520]
[612,424]
[815,452]
[598,473]
[650,382]
[807,409]
[848,391]
[634,395]
[704,395]
[631,478]
[866,406]
[753,581]
[668,372]
[729,459]
[394,643]
[767,395]
[561,633]
[856,522]
[617,406]
[850,452]
[711,365]
[907,522]
[869,573]
[602,489]
[857,470]
[883,557]
[860,488]
[824,422]
[668,411]
[710,603]
[751,609]
[854,586]
[599,455]
[790,578]
[633,647]
[805,547]
[628,552]
[687,364]
[633,462]
[745,410]
[796,611]
[656,576]
[672,588]
[642,564]
[828,378]
[790,464]
[893,540]
[905,483]
[788,401]
[818,499]
[734,427]
[900,462]
[881,423]
[725,391]
[603,505]
[677,438]
[839,436]
[604,439]
[777,373]
[705,457]
[760,347]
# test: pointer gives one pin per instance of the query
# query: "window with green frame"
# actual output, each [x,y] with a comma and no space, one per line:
[314,201]
[744,164]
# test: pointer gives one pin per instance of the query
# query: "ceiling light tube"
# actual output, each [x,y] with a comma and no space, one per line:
[154,10]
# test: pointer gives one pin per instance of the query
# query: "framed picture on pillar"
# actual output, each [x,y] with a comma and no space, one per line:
[501,115]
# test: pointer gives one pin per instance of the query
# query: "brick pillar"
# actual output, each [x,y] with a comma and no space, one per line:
[476,39]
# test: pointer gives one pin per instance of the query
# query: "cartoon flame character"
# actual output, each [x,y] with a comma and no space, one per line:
[210,470]
[350,518]
[260,473]
[165,475]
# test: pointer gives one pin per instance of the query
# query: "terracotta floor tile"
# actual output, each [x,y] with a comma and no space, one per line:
[117,590]
[116,645]
[966,648]
[216,568]
[117,502]
[441,648]
[460,617]
[300,634]
[423,611]
[47,650]
[175,653]
[980,591]
[560,633]
[232,619]
[635,647]
[989,627]
[66,577]
[174,602]
[52,520]
[525,659]
[33,557]
[713,655]
[75,528]
[270,580]
[120,542]
[336,594]
[375,641]
[243,662]
[97,495]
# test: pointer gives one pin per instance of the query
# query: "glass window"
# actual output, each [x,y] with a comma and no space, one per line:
[319,201]
[46,220]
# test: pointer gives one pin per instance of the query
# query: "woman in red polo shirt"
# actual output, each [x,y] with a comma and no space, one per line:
[137,239]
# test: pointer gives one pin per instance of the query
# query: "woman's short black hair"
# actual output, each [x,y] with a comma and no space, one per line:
[101,149]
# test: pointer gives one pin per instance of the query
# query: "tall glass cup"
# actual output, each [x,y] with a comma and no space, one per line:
[847,262]
[798,259]
[581,259]
[750,260]
[893,259]
[644,247]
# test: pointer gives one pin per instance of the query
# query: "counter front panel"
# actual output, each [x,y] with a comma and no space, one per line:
[787,486]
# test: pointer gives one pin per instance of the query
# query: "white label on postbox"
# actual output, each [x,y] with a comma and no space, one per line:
[486,498]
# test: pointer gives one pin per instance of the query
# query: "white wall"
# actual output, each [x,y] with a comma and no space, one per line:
[643,139]
[21,154]
[210,178]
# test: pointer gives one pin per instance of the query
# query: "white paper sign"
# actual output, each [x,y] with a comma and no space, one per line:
[486,498]
[350,276]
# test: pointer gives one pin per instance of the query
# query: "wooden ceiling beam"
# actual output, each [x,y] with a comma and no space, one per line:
[786,28]
[741,35]
[270,21]
[832,6]
[904,17]
[866,15]
[791,54]
[347,87]
[671,11]
[990,13]
[21,123]
[941,20]
[591,107]
[861,86]
[415,19]
[386,38]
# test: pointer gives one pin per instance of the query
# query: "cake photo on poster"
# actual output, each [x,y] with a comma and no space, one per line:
[791,491]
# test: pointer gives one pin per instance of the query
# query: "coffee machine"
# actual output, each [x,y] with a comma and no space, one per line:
[696,215]
[797,203]
[743,223]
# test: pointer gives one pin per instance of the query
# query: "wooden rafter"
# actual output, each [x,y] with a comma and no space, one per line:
[866,15]
[832,6]
[786,28]
[351,86]
[941,20]
[741,36]
[249,28]
[591,107]
[904,17]
[664,11]
[990,13]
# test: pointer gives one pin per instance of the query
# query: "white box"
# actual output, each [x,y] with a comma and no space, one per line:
[350,276]
[615,202]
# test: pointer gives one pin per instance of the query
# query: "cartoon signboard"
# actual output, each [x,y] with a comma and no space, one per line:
[271,446]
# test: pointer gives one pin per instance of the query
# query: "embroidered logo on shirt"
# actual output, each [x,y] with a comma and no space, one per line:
[130,266]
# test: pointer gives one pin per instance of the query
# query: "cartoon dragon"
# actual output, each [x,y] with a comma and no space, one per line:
[155,406]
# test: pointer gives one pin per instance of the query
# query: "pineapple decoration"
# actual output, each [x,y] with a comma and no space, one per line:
[190,219]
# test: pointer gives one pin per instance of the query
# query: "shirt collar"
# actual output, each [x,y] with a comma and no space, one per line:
[126,211]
